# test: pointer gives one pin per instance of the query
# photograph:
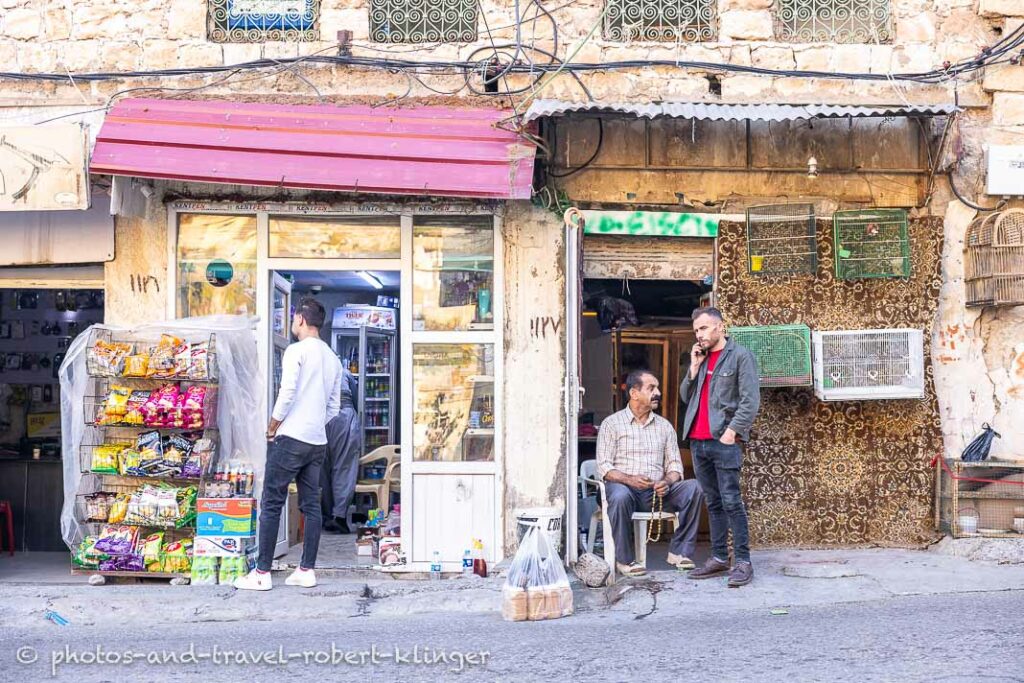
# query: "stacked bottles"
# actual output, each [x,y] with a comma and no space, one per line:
[234,479]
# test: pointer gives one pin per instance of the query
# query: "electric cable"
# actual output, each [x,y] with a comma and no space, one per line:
[976,207]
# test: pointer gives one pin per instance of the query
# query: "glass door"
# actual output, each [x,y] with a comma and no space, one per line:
[280,337]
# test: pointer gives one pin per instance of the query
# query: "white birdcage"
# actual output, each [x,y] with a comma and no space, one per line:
[862,365]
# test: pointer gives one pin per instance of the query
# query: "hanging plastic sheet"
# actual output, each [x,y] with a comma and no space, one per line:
[240,405]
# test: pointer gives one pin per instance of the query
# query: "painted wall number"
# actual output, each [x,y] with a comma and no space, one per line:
[540,326]
[141,283]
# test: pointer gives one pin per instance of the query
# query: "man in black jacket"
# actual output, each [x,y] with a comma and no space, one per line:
[721,393]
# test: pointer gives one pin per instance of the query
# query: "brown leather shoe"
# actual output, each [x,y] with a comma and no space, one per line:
[742,574]
[711,569]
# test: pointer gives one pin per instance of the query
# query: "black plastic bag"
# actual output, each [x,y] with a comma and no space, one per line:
[978,449]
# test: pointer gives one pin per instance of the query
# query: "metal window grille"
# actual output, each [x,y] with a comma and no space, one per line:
[419,21]
[868,364]
[980,498]
[661,20]
[834,21]
[783,353]
[780,239]
[260,21]
[872,243]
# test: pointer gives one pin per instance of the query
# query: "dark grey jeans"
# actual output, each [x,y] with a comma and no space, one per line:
[717,467]
[289,459]
[683,497]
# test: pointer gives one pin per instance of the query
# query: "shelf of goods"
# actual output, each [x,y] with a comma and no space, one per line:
[153,443]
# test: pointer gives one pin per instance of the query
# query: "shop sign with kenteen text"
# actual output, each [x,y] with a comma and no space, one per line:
[650,224]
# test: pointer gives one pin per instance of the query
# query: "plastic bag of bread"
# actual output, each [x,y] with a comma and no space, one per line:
[536,587]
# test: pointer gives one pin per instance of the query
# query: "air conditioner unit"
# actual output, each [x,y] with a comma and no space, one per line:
[865,365]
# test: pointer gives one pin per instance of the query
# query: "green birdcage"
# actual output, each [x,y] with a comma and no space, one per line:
[871,243]
[780,240]
[783,353]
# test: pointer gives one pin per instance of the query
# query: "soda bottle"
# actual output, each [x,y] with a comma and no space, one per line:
[479,563]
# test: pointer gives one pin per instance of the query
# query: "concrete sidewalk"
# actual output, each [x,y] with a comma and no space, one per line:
[785,580]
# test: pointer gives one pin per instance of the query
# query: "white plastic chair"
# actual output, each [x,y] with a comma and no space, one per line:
[588,477]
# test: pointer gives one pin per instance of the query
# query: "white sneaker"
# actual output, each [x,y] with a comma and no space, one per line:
[254,581]
[304,578]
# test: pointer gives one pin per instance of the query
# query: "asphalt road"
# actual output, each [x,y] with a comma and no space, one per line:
[971,638]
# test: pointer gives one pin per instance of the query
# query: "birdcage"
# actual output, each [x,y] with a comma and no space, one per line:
[780,239]
[866,365]
[871,243]
[1007,259]
[783,353]
[980,498]
[978,261]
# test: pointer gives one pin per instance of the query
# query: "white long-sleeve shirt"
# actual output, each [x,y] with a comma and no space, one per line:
[310,393]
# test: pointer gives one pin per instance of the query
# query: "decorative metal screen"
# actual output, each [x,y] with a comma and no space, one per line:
[676,20]
[783,353]
[780,239]
[833,21]
[419,21]
[871,243]
[260,21]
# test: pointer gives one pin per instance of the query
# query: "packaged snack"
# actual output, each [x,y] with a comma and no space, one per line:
[134,414]
[177,556]
[232,568]
[105,459]
[117,540]
[128,562]
[163,360]
[204,571]
[182,360]
[199,362]
[150,446]
[86,555]
[118,508]
[177,449]
[115,405]
[106,359]
[150,551]
[166,507]
[186,500]
[136,366]
[97,507]
[131,462]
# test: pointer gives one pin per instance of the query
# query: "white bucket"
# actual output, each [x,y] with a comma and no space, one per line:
[548,520]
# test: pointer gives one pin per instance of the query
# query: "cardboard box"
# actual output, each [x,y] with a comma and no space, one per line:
[226,517]
[366,547]
[390,552]
[224,546]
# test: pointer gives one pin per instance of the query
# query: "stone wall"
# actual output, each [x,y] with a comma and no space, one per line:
[979,372]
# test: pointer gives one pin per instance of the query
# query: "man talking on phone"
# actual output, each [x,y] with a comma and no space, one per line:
[722,394]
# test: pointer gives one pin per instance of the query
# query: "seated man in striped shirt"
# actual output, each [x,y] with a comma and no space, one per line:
[638,457]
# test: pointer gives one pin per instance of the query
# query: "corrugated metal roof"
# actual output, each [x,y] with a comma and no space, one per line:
[432,151]
[730,112]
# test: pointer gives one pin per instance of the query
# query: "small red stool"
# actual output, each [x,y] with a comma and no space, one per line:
[7,511]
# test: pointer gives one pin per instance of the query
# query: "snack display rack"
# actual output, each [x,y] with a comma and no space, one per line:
[149,444]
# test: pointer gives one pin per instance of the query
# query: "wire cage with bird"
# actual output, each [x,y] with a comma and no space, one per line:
[871,243]
[780,240]
[783,353]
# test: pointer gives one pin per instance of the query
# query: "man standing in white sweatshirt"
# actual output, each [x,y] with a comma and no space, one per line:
[309,397]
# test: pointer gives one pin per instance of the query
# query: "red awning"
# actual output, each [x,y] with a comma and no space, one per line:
[437,151]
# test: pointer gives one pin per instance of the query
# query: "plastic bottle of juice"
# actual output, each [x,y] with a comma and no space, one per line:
[479,563]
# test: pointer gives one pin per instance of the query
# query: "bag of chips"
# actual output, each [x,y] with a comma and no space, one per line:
[118,509]
[105,459]
[136,366]
[150,551]
[117,540]
[106,359]
[177,556]
[115,405]
[199,361]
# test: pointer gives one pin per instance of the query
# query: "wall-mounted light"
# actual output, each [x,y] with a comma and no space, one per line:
[812,167]
[370,279]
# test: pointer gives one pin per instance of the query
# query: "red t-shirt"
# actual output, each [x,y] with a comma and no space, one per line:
[701,427]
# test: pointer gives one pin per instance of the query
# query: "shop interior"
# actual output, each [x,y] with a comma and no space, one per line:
[363,328]
[37,327]
[628,325]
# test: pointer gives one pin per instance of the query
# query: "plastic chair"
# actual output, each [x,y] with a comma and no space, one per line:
[588,476]
[380,488]
[6,510]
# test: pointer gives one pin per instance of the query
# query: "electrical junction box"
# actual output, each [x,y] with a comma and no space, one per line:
[1005,170]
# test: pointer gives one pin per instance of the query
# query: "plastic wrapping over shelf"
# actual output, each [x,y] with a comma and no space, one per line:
[238,404]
